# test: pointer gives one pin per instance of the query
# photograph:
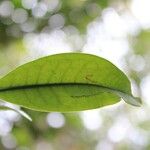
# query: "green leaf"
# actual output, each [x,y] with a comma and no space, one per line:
[66,82]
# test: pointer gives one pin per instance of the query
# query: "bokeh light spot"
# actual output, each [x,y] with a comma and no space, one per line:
[55,120]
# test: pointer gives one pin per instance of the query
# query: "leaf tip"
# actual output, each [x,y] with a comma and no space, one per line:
[135,101]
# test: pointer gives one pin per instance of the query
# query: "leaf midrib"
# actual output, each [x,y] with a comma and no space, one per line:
[60,84]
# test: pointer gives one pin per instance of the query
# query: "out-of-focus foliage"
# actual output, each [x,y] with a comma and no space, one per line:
[115,29]
[20,16]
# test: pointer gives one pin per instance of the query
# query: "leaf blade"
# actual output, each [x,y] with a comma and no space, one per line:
[66,71]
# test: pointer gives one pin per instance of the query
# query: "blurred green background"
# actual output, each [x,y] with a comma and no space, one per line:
[118,30]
